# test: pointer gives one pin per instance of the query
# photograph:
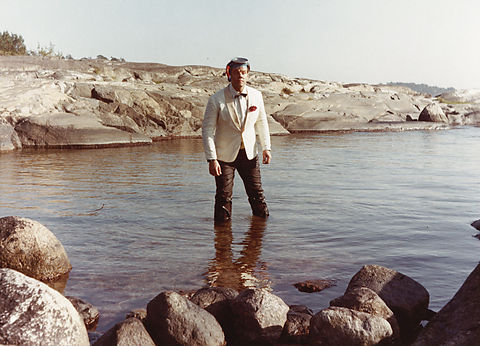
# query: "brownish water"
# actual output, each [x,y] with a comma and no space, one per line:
[137,221]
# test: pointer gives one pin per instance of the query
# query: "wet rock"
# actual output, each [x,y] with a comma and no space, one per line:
[128,332]
[87,311]
[433,113]
[259,316]
[30,248]
[365,300]
[217,301]
[8,137]
[314,285]
[343,326]
[297,326]
[31,313]
[458,322]
[404,296]
[174,320]
[476,224]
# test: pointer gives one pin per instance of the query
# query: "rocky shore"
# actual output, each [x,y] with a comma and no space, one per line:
[65,103]
[380,307]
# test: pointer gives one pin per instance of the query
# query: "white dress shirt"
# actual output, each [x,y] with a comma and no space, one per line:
[240,103]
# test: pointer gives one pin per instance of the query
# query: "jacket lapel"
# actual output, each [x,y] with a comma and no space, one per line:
[231,108]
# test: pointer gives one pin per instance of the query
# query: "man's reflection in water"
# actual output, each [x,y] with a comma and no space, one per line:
[245,272]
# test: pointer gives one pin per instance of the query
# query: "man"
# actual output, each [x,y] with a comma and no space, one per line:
[233,117]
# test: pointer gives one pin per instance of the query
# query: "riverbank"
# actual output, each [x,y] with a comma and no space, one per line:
[61,103]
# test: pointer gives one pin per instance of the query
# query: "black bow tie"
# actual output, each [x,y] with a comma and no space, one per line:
[241,94]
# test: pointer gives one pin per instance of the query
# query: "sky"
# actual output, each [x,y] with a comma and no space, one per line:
[436,42]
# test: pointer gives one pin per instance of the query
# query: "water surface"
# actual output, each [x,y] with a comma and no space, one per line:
[138,221]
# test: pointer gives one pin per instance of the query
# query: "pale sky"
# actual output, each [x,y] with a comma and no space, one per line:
[436,42]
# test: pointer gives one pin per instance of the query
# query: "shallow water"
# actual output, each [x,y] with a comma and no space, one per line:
[138,221]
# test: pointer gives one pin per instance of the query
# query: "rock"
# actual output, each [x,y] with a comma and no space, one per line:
[433,113]
[365,300]
[140,314]
[259,316]
[8,137]
[31,313]
[343,326]
[174,320]
[217,301]
[297,327]
[30,248]
[458,322]
[128,332]
[87,311]
[404,296]
[65,130]
[476,224]
[314,285]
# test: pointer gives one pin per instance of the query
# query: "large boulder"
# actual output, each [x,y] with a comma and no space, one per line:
[297,326]
[174,320]
[8,137]
[458,322]
[365,300]
[433,113]
[30,248]
[128,332]
[259,316]
[217,301]
[31,313]
[343,326]
[404,296]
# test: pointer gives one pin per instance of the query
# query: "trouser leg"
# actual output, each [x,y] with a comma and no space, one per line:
[223,195]
[249,171]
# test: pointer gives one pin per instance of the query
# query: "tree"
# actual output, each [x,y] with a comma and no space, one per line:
[12,44]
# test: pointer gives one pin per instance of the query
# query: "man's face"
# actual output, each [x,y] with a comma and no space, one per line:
[239,78]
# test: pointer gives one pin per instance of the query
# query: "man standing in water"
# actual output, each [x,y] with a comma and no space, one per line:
[233,117]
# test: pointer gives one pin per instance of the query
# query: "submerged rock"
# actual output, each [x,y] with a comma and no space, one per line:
[87,311]
[30,248]
[31,313]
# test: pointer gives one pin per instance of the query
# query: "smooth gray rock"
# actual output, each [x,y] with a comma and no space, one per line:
[174,320]
[30,248]
[259,316]
[343,326]
[31,313]
[87,311]
[366,300]
[458,322]
[404,296]
[130,332]
[433,113]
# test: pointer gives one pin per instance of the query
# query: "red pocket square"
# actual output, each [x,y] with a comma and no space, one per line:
[252,108]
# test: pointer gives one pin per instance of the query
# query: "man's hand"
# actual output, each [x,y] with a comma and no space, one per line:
[214,168]
[267,157]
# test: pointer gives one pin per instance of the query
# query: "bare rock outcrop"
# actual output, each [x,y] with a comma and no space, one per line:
[458,322]
[30,248]
[31,313]
[343,326]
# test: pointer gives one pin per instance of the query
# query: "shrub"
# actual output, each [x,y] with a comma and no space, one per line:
[12,44]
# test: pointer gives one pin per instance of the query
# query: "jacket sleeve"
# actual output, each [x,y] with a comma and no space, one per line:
[261,126]
[209,126]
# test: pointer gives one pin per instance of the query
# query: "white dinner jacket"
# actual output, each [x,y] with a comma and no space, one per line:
[222,131]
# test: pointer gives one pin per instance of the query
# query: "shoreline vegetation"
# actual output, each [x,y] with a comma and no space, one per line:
[53,102]
[379,306]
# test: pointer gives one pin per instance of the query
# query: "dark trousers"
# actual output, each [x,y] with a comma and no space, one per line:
[249,171]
